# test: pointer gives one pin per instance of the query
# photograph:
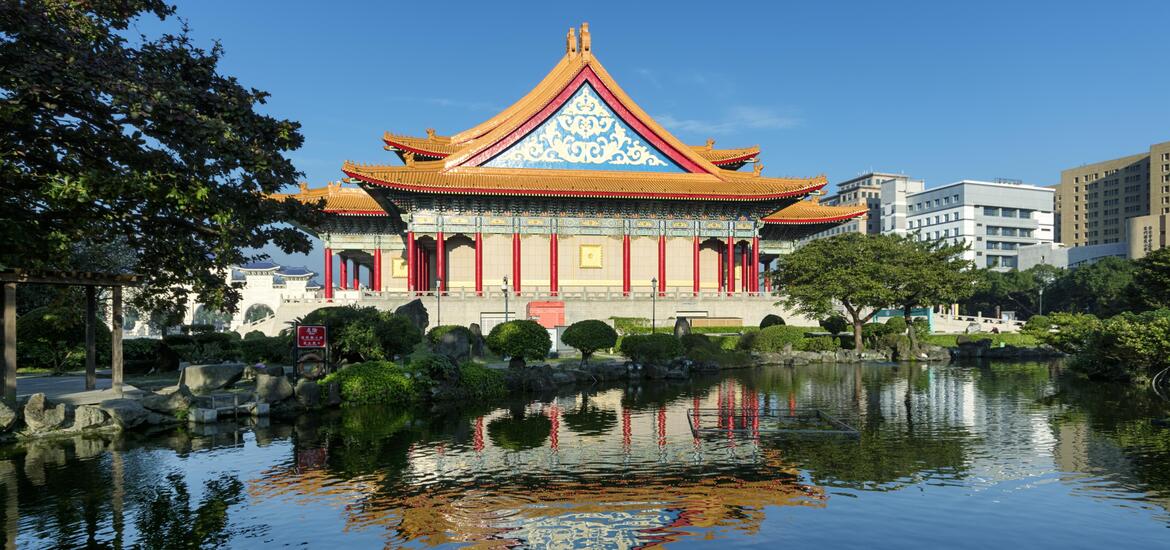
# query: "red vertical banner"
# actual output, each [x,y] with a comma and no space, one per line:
[661,265]
[376,276]
[478,263]
[328,273]
[441,261]
[695,266]
[411,265]
[516,262]
[553,261]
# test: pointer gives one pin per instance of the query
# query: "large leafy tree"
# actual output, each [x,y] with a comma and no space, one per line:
[1151,280]
[1100,288]
[108,138]
[931,273]
[851,269]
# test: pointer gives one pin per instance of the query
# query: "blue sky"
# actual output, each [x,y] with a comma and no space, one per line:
[938,90]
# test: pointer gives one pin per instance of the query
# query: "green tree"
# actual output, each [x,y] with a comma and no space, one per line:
[519,340]
[108,137]
[1101,288]
[651,349]
[930,273]
[1151,280]
[589,336]
[850,269]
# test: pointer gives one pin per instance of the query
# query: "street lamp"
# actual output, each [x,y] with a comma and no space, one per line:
[653,303]
[504,289]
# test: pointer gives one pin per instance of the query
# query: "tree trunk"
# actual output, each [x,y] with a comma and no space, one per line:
[858,345]
[906,312]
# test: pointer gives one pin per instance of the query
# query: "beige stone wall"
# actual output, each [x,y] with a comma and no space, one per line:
[570,271]
[1092,200]
[1147,234]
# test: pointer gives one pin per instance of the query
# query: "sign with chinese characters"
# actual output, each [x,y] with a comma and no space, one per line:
[311,336]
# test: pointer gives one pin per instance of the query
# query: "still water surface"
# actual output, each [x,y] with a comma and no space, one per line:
[1007,455]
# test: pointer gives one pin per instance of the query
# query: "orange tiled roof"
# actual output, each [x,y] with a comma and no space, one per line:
[351,201]
[808,212]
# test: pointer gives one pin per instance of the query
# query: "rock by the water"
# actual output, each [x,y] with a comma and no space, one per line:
[203,416]
[333,391]
[7,418]
[89,416]
[272,389]
[168,403]
[476,339]
[682,327]
[41,419]
[416,312]
[208,378]
[274,370]
[127,413]
[974,328]
[308,393]
[455,346]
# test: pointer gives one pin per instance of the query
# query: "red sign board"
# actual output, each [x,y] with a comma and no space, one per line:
[311,336]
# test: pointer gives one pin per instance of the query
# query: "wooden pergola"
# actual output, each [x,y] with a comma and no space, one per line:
[91,281]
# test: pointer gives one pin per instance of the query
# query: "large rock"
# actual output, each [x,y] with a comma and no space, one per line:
[682,327]
[168,401]
[308,393]
[416,312]
[333,392]
[8,418]
[455,346]
[127,413]
[476,339]
[41,419]
[89,416]
[272,389]
[208,378]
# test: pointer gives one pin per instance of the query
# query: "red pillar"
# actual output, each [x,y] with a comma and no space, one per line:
[343,273]
[441,261]
[695,266]
[661,265]
[718,269]
[730,264]
[357,274]
[328,273]
[411,266]
[755,264]
[553,260]
[745,270]
[376,277]
[626,265]
[425,260]
[516,262]
[478,263]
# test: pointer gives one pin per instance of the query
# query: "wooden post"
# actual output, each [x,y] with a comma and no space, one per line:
[116,341]
[8,304]
[90,338]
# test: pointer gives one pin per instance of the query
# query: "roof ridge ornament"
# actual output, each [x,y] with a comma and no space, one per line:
[759,167]
[710,144]
[430,134]
[408,158]
[586,40]
[571,42]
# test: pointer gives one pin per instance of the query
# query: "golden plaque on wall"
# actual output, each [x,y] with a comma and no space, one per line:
[590,256]
[398,268]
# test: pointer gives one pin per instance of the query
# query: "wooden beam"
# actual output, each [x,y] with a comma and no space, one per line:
[77,278]
[116,341]
[90,337]
[8,304]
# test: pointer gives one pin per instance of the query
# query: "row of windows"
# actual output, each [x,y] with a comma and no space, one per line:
[1009,231]
[918,207]
[1002,261]
[1007,212]
[1002,245]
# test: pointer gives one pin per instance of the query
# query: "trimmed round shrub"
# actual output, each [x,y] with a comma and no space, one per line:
[481,382]
[694,341]
[771,320]
[255,335]
[435,335]
[820,343]
[776,337]
[895,325]
[835,324]
[373,382]
[651,349]
[589,336]
[521,340]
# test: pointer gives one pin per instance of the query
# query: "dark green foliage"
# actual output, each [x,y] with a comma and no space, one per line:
[834,324]
[166,519]
[431,369]
[820,343]
[435,335]
[373,382]
[1037,326]
[196,329]
[1126,346]
[631,325]
[771,319]
[651,349]
[521,340]
[110,136]
[270,350]
[520,431]
[895,325]
[697,341]
[255,334]
[53,338]
[775,338]
[141,355]
[204,348]
[480,382]
[1151,280]
[358,334]
[589,336]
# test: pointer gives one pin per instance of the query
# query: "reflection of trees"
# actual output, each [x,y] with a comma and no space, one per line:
[166,519]
[368,439]
[520,430]
[589,419]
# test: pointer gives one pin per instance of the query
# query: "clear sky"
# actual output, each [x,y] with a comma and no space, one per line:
[938,90]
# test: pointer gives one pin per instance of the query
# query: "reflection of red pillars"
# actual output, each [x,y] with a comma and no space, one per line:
[730,410]
[441,449]
[661,427]
[626,429]
[554,418]
[755,412]
[695,414]
[477,439]
[791,403]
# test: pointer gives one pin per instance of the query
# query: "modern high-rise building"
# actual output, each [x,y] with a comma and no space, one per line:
[864,190]
[1120,200]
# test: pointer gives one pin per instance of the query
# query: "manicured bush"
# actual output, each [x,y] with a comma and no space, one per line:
[53,338]
[520,340]
[771,320]
[141,355]
[1037,325]
[435,335]
[373,382]
[204,348]
[631,325]
[834,324]
[589,336]
[776,338]
[358,334]
[894,325]
[430,369]
[481,382]
[697,341]
[651,349]
[255,334]
[267,349]
[820,343]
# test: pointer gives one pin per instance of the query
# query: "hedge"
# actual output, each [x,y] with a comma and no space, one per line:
[651,348]
[373,382]
[520,340]
[776,338]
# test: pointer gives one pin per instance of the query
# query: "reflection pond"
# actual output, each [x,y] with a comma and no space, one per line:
[966,456]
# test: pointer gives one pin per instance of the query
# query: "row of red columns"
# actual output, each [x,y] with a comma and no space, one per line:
[343,275]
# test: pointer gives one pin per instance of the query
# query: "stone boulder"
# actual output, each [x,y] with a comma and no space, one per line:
[89,416]
[38,418]
[168,401]
[477,341]
[333,393]
[209,378]
[973,328]
[308,393]
[8,418]
[682,327]
[126,413]
[455,346]
[416,312]
[272,389]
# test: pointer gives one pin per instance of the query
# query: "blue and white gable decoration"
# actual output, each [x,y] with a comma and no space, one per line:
[584,134]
